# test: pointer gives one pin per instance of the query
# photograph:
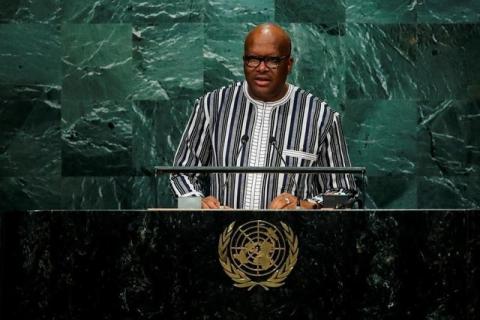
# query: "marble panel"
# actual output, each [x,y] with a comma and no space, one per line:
[381,11]
[319,60]
[222,52]
[27,11]
[168,61]
[161,11]
[391,192]
[448,191]
[443,62]
[239,11]
[381,61]
[157,129]
[96,138]
[30,131]
[30,193]
[381,135]
[152,192]
[133,11]
[94,11]
[97,61]
[448,143]
[448,11]
[89,192]
[471,48]
[305,11]
[30,54]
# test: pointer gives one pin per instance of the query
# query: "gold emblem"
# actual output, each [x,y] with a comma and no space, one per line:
[258,253]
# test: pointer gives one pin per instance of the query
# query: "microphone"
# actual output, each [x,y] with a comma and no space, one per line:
[244,141]
[273,142]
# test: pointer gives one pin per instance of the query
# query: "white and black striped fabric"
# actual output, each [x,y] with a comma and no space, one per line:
[304,128]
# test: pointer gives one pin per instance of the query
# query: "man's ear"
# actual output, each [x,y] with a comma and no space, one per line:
[290,64]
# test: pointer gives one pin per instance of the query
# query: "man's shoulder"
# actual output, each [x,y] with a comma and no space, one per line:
[225,89]
[316,101]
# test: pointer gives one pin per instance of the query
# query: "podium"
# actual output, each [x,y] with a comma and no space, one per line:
[164,264]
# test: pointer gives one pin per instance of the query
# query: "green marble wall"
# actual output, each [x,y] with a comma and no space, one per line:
[93,94]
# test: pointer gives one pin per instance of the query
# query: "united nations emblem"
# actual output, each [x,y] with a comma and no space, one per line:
[257,253]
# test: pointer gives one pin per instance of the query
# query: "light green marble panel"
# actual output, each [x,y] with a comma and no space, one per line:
[239,11]
[161,11]
[381,11]
[157,129]
[381,61]
[97,11]
[381,135]
[30,54]
[168,61]
[97,62]
[319,61]
[449,11]
[448,139]
[223,51]
[134,11]
[28,11]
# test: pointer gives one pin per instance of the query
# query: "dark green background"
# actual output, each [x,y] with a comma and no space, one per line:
[93,94]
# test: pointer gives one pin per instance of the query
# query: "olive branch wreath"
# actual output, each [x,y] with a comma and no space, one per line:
[242,280]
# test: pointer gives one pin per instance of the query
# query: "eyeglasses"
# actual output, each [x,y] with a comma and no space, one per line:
[270,62]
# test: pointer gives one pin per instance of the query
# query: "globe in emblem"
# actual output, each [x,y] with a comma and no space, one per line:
[256,254]
[258,248]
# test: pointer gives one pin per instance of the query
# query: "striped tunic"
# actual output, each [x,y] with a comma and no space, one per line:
[230,128]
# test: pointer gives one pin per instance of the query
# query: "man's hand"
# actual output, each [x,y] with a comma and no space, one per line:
[289,201]
[210,202]
[284,201]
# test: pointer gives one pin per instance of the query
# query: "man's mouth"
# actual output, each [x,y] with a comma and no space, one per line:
[262,82]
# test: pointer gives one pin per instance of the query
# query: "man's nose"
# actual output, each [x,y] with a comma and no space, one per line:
[262,66]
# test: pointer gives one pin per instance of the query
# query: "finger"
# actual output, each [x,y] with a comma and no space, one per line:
[212,204]
[290,202]
[292,205]
[204,205]
[276,204]
[282,201]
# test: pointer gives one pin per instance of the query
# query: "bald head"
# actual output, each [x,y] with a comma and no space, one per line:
[267,62]
[269,32]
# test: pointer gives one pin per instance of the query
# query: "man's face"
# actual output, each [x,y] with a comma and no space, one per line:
[264,83]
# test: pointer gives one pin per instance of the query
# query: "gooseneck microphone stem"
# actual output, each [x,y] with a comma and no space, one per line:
[273,143]
[244,141]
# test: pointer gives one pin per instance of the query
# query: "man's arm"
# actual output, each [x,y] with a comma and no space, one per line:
[334,153]
[194,150]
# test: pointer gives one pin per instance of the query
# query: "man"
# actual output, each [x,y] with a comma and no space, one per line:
[262,121]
